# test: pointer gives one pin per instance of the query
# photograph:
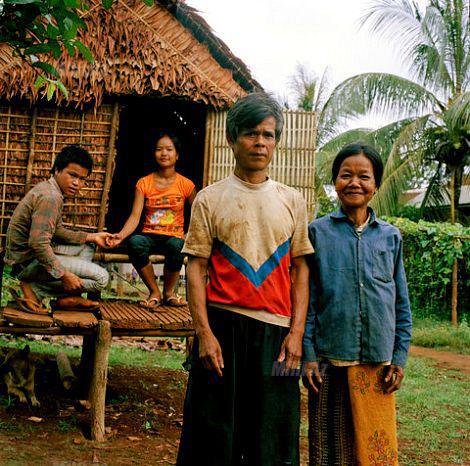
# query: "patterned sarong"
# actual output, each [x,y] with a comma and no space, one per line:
[351,420]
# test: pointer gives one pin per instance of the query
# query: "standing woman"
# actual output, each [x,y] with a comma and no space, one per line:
[161,195]
[358,327]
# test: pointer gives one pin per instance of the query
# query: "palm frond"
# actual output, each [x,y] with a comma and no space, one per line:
[379,93]
[458,114]
[403,165]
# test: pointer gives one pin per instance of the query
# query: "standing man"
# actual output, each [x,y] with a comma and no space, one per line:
[48,259]
[248,236]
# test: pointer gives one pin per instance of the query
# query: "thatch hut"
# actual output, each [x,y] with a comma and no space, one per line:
[159,66]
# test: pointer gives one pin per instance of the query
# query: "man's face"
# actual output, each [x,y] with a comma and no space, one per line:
[71,179]
[254,147]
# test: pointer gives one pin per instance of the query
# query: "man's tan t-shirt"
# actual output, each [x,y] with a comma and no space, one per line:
[249,233]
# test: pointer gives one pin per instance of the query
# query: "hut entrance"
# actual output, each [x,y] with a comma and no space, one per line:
[139,118]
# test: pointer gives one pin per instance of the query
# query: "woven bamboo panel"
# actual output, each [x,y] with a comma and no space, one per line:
[31,138]
[129,315]
[293,162]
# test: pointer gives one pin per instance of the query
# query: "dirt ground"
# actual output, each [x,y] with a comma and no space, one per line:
[445,359]
[143,419]
[143,416]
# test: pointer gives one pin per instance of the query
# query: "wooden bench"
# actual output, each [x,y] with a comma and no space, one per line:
[115,318]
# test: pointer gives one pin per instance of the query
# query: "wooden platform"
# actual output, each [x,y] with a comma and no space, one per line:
[130,316]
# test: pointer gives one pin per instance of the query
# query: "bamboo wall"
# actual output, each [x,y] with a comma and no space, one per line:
[293,162]
[30,139]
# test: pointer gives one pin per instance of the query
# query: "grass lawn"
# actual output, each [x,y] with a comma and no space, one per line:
[441,335]
[433,415]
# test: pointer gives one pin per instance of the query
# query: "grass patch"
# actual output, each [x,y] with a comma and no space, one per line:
[118,355]
[435,334]
[433,415]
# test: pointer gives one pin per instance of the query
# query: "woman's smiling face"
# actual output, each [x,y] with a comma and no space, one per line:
[355,183]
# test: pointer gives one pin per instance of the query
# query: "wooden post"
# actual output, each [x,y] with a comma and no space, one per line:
[66,374]
[109,166]
[119,281]
[32,140]
[99,380]
[208,149]
[455,283]
[86,364]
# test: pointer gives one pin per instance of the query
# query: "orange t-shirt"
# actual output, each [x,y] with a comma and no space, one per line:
[164,208]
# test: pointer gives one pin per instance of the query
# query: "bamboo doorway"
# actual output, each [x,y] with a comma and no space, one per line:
[293,162]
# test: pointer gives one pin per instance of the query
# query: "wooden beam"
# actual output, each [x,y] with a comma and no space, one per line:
[32,139]
[99,381]
[109,166]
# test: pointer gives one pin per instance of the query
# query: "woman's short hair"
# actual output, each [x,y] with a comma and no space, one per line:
[250,111]
[162,132]
[359,148]
[72,153]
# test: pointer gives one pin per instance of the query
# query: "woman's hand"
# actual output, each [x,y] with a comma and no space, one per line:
[311,376]
[393,377]
[114,240]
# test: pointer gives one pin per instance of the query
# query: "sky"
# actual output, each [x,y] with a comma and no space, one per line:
[272,36]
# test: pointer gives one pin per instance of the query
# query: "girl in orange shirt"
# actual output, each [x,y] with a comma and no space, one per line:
[161,195]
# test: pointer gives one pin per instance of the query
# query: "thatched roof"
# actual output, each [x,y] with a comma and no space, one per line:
[164,50]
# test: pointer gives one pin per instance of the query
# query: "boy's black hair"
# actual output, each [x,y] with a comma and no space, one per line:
[72,153]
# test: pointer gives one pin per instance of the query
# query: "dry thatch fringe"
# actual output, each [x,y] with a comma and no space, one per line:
[138,51]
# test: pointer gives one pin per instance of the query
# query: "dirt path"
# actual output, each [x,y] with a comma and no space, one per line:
[445,359]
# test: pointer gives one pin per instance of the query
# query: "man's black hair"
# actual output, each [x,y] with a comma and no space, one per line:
[250,111]
[72,154]
[359,148]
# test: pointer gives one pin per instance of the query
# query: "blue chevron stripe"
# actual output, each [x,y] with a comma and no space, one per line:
[257,277]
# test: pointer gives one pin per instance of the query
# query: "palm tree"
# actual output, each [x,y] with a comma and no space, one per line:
[430,140]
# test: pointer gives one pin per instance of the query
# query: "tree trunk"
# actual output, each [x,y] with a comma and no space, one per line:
[453,203]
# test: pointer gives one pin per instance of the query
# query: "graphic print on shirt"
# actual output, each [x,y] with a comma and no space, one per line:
[162,210]
[234,281]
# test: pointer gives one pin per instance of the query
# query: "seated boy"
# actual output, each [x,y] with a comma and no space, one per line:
[47,258]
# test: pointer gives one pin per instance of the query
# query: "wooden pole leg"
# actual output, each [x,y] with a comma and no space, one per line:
[99,380]
[85,371]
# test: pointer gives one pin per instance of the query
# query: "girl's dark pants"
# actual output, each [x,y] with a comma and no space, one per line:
[249,416]
[140,247]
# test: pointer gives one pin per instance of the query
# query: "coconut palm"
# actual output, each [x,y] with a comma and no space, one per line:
[430,139]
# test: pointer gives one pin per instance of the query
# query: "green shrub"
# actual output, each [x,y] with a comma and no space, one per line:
[429,250]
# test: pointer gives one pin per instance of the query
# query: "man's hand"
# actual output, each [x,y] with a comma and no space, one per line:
[291,350]
[311,376]
[71,283]
[393,377]
[210,353]
[99,239]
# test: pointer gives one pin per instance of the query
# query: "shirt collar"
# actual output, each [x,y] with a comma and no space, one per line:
[55,185]
[339,215]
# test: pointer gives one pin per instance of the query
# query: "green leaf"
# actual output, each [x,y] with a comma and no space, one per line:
[72,3]
[84,50]
[148,2]
[50,90]
[107,3]
[70,49]
[47,67]
[38,48]
[63,89]
[40,81]
[21,2]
